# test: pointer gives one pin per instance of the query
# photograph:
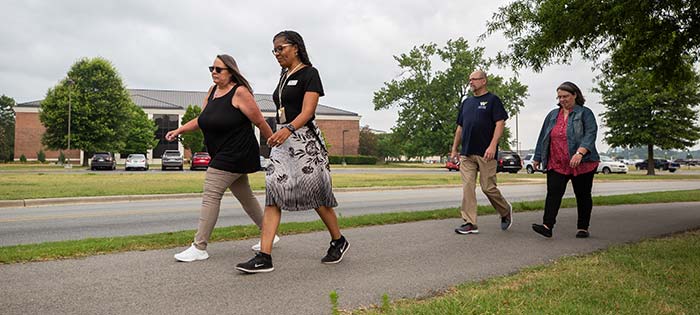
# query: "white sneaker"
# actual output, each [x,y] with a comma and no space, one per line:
[192,254]
[256,247]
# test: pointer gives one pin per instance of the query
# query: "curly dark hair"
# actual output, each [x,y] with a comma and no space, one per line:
[295,39]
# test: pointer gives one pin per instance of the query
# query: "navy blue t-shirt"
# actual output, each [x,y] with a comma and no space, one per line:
[478,116]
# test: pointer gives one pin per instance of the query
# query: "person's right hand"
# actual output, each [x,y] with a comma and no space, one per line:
[172,135]
[454,156]
[536,165]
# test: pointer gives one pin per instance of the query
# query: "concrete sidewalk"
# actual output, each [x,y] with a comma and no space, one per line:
[403,260]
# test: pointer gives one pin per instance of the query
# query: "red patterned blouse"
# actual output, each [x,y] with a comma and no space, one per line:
[559,151]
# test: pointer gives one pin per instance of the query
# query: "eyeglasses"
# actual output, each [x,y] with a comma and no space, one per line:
[279,49]
[474,79]
[560,97]
[218,69]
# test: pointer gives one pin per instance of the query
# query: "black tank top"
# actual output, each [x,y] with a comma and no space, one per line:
[229,136]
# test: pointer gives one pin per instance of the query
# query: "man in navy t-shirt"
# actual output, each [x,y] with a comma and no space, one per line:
[480,124]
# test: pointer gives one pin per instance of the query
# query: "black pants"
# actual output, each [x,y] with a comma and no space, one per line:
[556,186]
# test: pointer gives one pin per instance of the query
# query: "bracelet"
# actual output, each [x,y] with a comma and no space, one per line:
[290,128]
[579,152]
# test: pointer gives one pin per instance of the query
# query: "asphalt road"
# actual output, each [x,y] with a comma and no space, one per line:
[77,221]
[408,260]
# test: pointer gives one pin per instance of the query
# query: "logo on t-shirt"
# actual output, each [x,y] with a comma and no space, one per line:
[482,105]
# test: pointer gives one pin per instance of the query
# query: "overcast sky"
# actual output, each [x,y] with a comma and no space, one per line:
[169,44]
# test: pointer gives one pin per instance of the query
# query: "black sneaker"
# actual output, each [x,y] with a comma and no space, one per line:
[260,263]
[467,228]
[507,221]
[542,230]
[582,234]
[336,252]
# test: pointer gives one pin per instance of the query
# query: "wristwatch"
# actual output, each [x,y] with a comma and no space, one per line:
[290,128]
[579,152]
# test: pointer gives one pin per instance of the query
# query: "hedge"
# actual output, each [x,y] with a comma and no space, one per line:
[353,159]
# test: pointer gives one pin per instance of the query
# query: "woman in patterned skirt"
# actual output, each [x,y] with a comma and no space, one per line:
[299,175]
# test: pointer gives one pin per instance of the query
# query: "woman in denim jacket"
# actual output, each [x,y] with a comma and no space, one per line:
[566,149]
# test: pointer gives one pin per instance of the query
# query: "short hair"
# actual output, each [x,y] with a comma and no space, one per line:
[573,89]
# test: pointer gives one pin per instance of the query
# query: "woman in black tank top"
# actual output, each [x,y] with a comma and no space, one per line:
[226,119]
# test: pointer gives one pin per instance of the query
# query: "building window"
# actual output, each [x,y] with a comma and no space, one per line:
[165,123]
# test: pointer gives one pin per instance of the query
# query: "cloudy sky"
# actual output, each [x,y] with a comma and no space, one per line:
[169,44]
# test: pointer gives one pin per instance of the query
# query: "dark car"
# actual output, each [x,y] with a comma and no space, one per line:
[103,160]
[508,161]
[660,164]
[452,166]
[171,158]
[200,160]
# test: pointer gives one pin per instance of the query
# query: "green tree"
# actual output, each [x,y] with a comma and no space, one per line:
[368,142]
[100,106]
[193,141]
[7,128]
[141,132]
[388,146]
[620,36]
[642,112]
[429,99]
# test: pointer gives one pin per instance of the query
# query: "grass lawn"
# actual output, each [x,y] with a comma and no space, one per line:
[35,185]
[95,246]
[659,276]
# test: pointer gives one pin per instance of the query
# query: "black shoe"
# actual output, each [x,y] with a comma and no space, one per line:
[582,234]
[467,228]
[542,230]
[336,252]
[260,263]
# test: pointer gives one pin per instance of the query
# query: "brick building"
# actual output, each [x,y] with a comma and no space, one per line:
[340,127]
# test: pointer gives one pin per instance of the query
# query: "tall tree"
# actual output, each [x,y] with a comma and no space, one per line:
[7,128]
[621,36]
[100,106]
[368,142]
[193,141]
[141,132]
[429,99]
[642,112]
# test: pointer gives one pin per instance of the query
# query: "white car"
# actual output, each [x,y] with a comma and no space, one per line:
[527,164]
[136,161]
[608,165]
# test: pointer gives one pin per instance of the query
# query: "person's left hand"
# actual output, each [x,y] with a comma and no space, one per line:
[279,137]
[575,160]
[490,153]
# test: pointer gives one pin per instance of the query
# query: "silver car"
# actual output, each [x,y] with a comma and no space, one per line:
[136,162]
[172,158]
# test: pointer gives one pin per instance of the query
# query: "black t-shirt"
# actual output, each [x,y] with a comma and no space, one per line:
[478,116]
[304,80]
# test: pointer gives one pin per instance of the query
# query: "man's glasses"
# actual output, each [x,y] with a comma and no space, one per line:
[475,79]
[218,69]
[279,49]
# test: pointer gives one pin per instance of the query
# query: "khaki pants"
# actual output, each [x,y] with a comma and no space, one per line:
[215,184]
[469,166]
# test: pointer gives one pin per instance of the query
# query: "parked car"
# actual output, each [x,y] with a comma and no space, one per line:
[103,160]
[171,158]
[200,160]
[607,165]
[660,164]
[264,163]
[136,162]
[508,161]
[452,165]
[527,164]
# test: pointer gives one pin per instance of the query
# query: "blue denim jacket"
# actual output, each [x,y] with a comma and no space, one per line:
[581,131]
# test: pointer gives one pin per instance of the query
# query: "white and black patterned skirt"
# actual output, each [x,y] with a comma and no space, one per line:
[298,177]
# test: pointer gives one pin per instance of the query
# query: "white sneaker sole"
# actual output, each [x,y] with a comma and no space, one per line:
[255,270]
[191,259]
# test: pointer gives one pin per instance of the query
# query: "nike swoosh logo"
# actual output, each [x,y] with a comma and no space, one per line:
[258,265]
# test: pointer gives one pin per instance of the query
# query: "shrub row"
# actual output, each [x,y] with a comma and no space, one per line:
[353,159]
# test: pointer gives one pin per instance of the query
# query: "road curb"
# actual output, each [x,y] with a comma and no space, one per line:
[134,198]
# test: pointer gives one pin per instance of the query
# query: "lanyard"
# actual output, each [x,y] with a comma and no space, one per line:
[283,82]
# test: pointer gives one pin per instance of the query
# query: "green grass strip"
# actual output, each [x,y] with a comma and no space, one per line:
[659,276]
[96,246]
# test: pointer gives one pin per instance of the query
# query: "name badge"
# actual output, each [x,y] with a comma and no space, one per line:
[292,82]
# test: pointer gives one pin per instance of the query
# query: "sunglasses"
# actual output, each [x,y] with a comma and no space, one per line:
[218,69]
[279,49]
